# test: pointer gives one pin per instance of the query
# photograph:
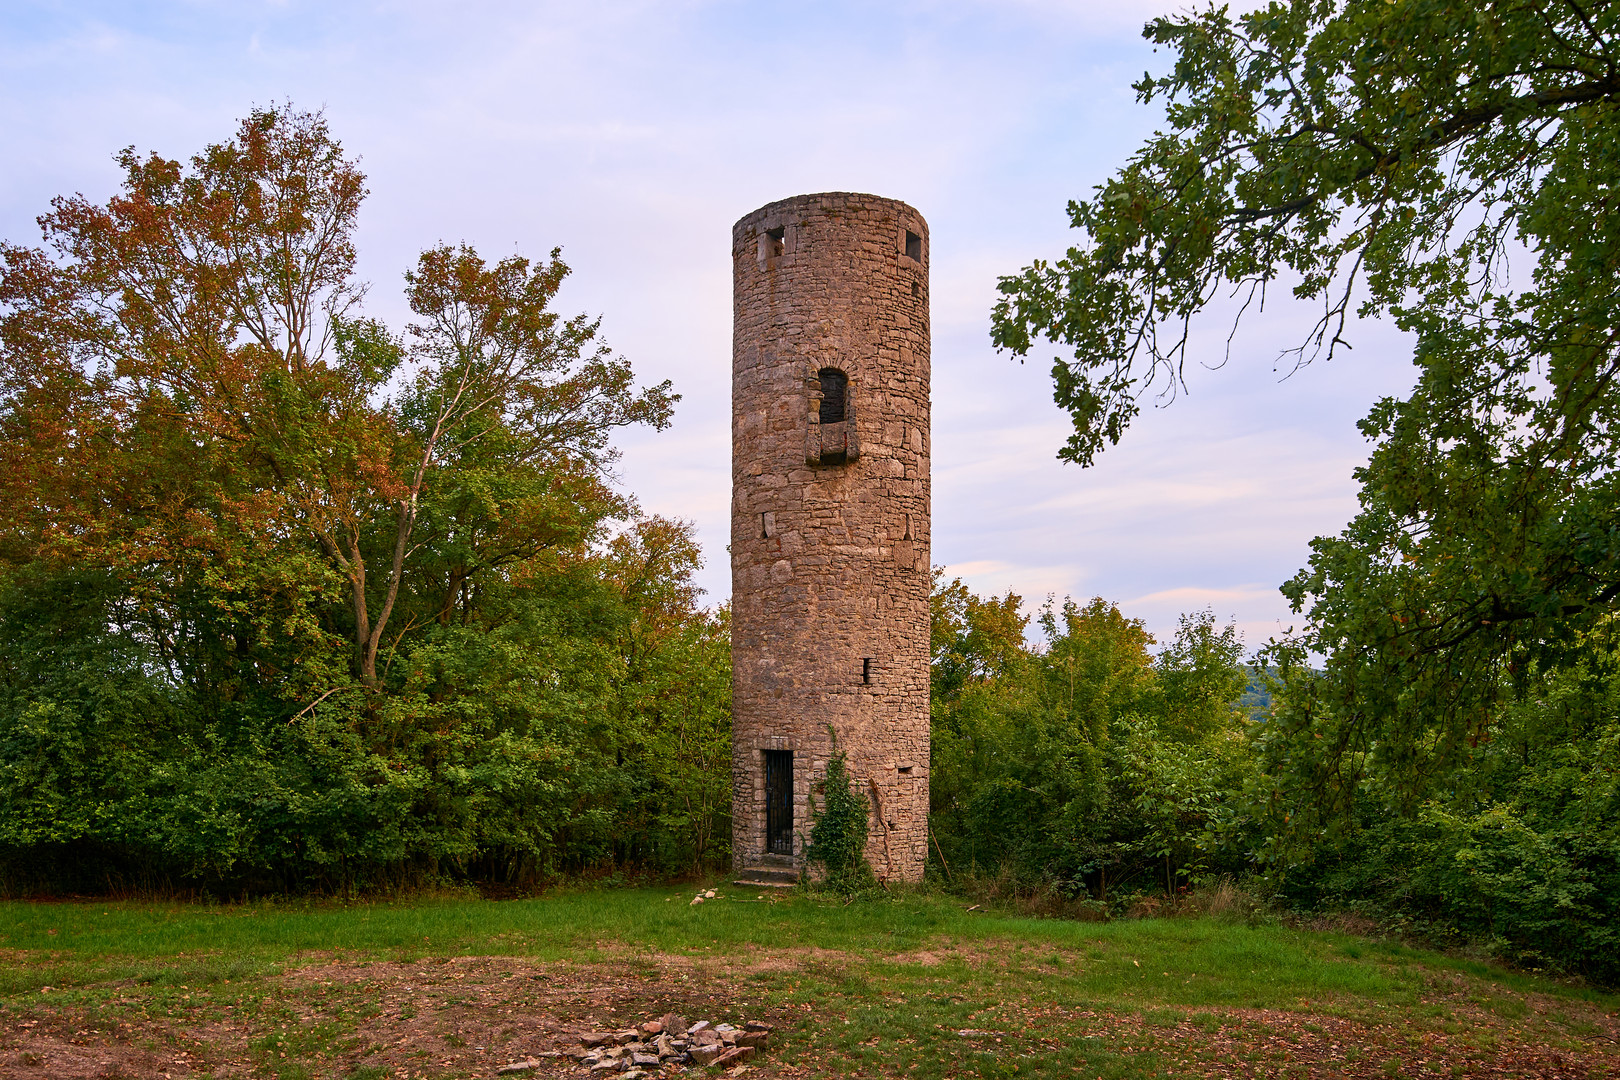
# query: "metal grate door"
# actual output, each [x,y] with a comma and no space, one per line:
[779,802]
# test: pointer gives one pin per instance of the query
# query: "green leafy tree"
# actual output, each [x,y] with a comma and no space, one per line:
[1387,159]
[1201,675]
[674,709]
[974,639]
[1086,763]
[1396,160]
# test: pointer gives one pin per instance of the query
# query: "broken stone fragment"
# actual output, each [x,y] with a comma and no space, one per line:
[706,1037]
[673,1024]
[664,1047]
[706,1055]
[735,1056]
[515,1067]
[701,1025]
[596,1038]
[757,1025]
[643,1060]
[602,1068]
[753,1038]
[629,1035]
[652,1027]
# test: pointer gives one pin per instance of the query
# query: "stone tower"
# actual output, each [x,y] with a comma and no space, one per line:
[829,524]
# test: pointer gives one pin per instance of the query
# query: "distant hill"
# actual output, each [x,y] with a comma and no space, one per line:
[1256,699]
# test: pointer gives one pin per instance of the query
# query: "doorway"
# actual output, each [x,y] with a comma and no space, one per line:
[779,802]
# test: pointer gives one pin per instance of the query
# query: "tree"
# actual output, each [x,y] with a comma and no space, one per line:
[1084,762]
[973,638]
[217,303]
[1388,159]
[1452,757]
[674,714]
[1402,146]
[291,599]
[1201,675]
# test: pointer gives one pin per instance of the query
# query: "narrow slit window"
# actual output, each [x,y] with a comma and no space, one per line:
[866,671]
[834,394]
[914,246]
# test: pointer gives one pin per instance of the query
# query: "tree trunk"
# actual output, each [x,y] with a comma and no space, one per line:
[396,572]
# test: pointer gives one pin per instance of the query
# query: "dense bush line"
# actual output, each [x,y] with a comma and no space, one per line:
[1088,763]
[1516,842]
[572,734]
[1090,767]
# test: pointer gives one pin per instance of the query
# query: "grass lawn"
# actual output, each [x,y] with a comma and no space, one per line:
[912,986]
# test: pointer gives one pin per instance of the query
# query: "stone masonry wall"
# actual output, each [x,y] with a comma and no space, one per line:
[830,562]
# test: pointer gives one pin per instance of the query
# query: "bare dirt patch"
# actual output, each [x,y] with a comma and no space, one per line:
[342,1016]
[433,1018]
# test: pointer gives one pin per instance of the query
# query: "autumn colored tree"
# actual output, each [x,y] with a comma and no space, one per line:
[215,306]
[355,589]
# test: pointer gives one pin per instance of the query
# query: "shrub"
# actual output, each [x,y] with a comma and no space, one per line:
[838,833]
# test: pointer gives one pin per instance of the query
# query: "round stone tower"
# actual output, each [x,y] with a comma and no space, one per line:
[829,525]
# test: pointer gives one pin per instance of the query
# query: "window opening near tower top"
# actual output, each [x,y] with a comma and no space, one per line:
[834,392]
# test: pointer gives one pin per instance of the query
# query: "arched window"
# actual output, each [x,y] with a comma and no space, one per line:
[834,393]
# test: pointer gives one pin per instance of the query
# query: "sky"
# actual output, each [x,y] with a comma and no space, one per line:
[632,135]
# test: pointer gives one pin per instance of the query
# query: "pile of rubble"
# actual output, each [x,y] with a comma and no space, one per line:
[670,1040]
